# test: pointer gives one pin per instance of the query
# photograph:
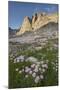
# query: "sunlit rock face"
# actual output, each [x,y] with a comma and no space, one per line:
[38,20]
[41,19]
[26,26]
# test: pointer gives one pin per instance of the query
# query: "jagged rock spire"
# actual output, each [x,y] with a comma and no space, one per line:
[38,20]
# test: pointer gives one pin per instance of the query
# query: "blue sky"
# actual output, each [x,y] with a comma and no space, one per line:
[18,10]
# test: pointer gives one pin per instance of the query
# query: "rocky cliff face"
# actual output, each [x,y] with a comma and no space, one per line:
[42,19]
[38,20]
[26,26]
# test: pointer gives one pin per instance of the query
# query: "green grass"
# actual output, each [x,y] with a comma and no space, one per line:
[17,80]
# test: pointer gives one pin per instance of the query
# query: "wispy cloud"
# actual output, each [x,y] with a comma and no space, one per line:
[36,10]
[50,9]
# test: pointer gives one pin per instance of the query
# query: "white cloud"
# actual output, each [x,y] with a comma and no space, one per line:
[50,9]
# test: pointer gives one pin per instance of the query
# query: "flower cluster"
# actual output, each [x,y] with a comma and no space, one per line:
[36,70]
[55,65]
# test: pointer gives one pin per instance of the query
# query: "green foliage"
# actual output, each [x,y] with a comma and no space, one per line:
[17,80]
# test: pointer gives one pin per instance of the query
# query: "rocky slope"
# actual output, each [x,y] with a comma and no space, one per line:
[12,32]
[40,36]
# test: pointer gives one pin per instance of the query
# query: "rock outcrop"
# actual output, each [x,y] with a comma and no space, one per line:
[42,19]
[38,20]
[26,26]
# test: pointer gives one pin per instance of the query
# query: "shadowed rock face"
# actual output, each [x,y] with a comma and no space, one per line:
[38,20]
[34,18]
[12,32]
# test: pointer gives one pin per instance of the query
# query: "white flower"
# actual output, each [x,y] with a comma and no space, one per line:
[56,69]
[45,66]
[40,69]
[36,69]
[37,79]
[20,71]
[41,76]
[14,60]
[34,74]
[30,72]
[27,69]
[43,70]
[56,66]
[18,60]
[56,61]
[26,76]
[38,48]
[17,69]
[33,65]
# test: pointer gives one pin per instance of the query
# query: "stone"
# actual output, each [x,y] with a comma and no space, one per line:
[32,59]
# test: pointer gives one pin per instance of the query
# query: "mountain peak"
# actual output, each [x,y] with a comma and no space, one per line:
[26,25]
[38,20]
